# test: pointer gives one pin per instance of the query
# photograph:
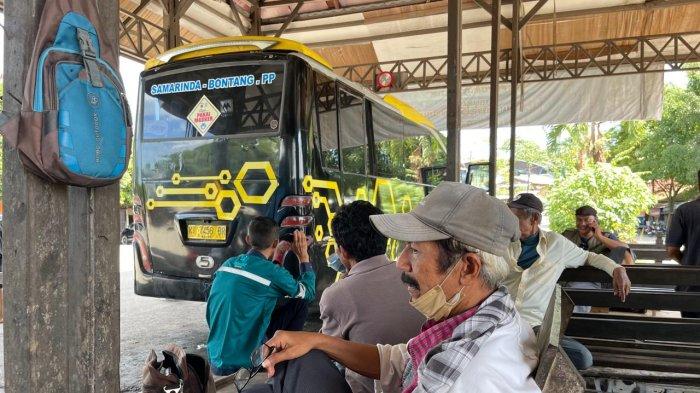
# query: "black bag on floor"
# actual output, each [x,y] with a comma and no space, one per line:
[179,372]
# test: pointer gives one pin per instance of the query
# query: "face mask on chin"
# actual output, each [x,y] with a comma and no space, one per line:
[434,304]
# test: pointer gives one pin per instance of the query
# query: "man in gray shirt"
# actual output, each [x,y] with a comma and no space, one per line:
[370,305]
[685,232]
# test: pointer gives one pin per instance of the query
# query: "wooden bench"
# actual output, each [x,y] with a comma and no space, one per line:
[638,347]
[555,372]
[650,252]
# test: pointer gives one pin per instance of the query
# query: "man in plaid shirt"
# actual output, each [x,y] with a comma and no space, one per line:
[474,340]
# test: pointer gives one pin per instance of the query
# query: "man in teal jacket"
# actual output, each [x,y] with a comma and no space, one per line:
[245,291]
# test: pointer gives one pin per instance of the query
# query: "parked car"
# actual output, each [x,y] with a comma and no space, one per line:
[127,234]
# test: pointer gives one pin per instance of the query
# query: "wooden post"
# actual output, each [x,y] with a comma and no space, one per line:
[61,254]
[171,23]
[255,22]
[493,108]
[514,79]
[454,89]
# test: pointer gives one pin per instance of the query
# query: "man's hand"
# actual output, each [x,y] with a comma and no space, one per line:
[288,346]
[597,232]
[281,251]
[621,283]
[675,253]
[300,246]
[361,358]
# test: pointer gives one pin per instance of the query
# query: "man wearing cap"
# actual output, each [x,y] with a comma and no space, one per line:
[588,236]
[536,262]
[474,340]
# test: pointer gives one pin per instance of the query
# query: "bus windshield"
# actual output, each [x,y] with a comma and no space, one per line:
[214,100]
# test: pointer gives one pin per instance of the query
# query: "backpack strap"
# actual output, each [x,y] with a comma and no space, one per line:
[89,57]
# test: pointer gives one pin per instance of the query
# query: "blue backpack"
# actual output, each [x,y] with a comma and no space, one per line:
[75,123]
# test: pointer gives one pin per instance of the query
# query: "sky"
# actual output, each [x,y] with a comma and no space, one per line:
[474,142]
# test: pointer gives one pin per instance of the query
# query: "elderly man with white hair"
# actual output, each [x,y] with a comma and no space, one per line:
[474,339]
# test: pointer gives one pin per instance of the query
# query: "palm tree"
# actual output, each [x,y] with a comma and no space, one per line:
[584,140]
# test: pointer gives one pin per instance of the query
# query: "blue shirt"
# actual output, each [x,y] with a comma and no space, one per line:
[242,297]
[529,254]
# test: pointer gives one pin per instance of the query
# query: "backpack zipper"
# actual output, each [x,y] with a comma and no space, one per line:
[38,104]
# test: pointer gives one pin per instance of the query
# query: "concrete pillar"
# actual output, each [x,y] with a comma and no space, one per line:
[61,255]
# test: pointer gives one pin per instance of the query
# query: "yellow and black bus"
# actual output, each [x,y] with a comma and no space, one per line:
[228,129]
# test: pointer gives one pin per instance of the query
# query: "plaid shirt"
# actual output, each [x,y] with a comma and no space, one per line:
[447,347]
[432,333]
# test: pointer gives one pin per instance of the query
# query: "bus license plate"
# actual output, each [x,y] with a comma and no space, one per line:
[206,232]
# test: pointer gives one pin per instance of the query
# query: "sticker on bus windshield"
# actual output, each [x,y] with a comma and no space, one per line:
[203,115]
[226,107]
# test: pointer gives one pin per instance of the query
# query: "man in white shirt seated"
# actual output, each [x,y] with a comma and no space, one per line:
[474,340]
[536,262]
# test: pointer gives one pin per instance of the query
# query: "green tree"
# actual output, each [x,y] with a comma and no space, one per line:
[624,142]
[404,158]
[527,152]
[573,146]
[667,151]
[126,186]
[617,193]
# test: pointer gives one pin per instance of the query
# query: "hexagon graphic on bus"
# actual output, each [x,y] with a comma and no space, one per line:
[226,202]
[260,166]
[393,196]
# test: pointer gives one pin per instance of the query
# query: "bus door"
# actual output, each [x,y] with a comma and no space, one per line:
[325,182]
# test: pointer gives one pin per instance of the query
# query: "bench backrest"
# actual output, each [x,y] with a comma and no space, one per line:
[639,342]
[658,291]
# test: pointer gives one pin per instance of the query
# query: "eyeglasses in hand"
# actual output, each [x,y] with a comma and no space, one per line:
[244,375]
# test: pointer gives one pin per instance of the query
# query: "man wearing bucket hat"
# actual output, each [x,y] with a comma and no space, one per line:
[537,260]
[452,265]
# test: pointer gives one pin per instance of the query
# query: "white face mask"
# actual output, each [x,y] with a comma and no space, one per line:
[334,263]
[434,304]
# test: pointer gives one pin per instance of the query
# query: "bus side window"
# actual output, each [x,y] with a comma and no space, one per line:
[353,137]
[388,141]
[424,151]
[327,122]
